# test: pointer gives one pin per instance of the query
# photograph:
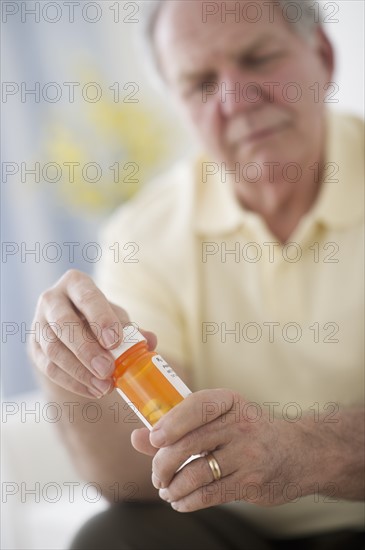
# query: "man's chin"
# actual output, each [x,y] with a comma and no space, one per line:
[264,169]
[268,196]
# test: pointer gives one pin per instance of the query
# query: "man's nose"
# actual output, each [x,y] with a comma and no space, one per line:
[238,92]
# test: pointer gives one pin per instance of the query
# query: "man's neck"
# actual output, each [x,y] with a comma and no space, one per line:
[282,217]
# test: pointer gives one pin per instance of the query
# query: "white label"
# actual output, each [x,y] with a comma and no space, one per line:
[134,408]
[171,375]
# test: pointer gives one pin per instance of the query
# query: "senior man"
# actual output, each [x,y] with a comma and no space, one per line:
[249,270]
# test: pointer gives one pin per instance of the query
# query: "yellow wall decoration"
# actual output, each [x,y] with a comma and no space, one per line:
[117,148]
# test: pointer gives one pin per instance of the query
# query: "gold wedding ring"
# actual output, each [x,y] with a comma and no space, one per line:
[214,466]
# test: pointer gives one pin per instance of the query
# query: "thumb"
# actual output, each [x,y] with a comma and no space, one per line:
[124,317]
[151,338]
[140,439]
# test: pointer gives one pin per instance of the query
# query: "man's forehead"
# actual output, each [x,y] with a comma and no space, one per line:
[185,28]
[185,17]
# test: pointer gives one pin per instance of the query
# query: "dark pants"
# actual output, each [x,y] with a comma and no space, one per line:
[155,526]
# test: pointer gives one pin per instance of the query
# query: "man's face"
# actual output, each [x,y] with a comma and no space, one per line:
[276,112]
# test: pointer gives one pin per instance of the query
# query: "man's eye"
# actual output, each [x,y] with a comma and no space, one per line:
[199,86]
[192,89]
[260,60]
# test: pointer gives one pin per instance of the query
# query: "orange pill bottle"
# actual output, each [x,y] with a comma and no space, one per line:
[144,379]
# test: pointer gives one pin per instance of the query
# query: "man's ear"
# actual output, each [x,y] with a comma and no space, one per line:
[325,51]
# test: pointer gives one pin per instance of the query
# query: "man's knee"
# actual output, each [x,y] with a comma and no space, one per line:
[114,528]
[156,526]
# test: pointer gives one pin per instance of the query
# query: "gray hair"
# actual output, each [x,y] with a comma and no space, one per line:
[300,14]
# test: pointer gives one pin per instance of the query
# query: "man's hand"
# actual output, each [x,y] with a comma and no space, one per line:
[266,461]
[77,327]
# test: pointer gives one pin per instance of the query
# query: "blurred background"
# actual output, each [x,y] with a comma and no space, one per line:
[83,129]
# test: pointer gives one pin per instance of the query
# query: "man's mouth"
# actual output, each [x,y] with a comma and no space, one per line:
[264,133]
[260,135]
[252,128]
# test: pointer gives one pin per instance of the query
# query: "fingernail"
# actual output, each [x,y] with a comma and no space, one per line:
[101,386]
[109,337]
[157,437]
[95,393]
[156,482]
[102,366]
[164,495]
[175,506]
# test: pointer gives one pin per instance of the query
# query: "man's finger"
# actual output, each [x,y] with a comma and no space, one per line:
[94,306]
[141,442]
[197,409]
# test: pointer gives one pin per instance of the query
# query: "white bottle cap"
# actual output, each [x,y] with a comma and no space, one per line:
[131,337]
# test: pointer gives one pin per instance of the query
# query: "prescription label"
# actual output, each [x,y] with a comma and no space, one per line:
[171,375]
